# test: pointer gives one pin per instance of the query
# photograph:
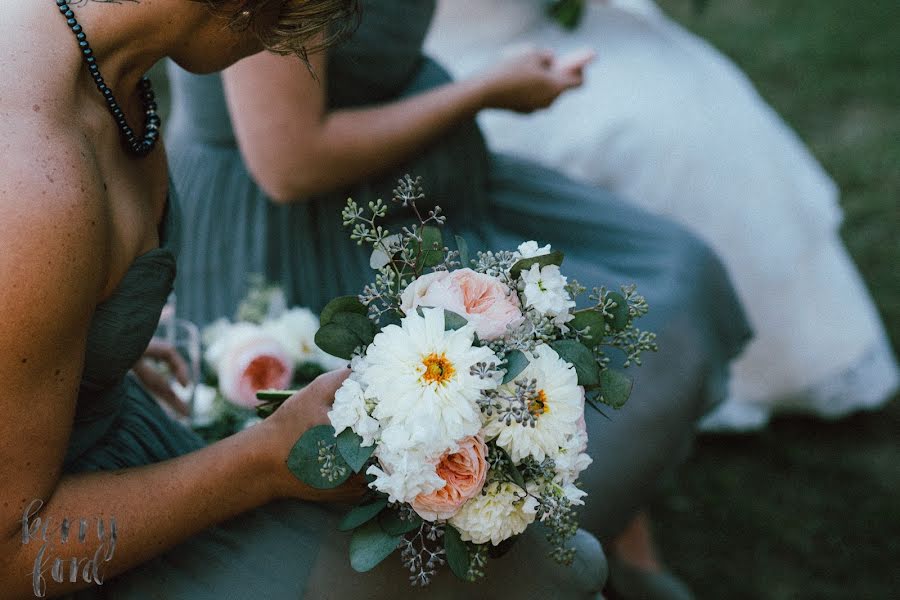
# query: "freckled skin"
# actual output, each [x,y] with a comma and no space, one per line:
[75,211]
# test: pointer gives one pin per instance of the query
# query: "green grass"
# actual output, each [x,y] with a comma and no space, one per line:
[808,509]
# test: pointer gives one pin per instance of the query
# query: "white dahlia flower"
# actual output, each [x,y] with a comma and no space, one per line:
[556,407]
[499,512]
[421,379]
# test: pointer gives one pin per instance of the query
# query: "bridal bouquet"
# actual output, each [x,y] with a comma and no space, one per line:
[267,346]
[465,406]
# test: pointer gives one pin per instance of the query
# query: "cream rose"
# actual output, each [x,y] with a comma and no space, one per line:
[246,360]
[464,472]
[488,305]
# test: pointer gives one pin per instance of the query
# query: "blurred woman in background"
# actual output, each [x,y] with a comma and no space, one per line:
[669,123]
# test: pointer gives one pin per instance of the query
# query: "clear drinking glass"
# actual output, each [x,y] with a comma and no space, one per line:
[184,336]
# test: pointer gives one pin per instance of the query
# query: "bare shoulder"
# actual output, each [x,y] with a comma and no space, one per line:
[54,234]
[54,214]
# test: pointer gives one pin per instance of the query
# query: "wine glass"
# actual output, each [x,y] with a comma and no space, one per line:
[184,336]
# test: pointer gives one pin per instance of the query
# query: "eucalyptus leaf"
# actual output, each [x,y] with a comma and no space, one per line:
[432,246]
[592,319]
[337,340]
[349,444]
[463,248]
[512,471]
[516,362]
[370,545]
[390,317]
[581,358]
[452,320]
[553,258]
[362,514]
[307,465]
[619,319]
[341,304]
[392,523]
[358,324]
[615,388]
[457,553]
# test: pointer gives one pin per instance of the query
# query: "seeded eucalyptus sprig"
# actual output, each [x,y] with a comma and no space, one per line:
[401,257]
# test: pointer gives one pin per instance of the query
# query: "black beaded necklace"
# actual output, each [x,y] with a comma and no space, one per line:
[144,145]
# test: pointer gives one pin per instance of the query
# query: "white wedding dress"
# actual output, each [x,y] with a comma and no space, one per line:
[668,122]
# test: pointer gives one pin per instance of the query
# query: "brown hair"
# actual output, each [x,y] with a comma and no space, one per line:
[291,26]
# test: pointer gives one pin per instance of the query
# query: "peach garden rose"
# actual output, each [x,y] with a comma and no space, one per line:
[483,300]
[248,359]
[464,472]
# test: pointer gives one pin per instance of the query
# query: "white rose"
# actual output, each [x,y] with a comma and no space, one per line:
[296,329]
[411,298]
[204,409]
[248,359]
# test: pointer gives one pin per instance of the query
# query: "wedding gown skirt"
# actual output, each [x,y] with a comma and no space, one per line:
[665,120]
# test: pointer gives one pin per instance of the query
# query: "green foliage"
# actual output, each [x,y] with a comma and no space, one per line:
[274,395]
[337,340]
[615,388]
[432,246]
[315,460]
[395,523]
[553,258]
[463,248]
[457,553]
[593,322]
[370,545]
[362,514]
[349,444]
[618,313]
[452,320]
[516,362]
[581,358]
[361,327]
[342,304]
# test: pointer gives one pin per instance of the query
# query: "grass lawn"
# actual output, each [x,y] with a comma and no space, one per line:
[808,509]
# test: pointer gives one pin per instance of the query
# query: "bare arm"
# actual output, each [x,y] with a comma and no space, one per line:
[295,147]
[55,239]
